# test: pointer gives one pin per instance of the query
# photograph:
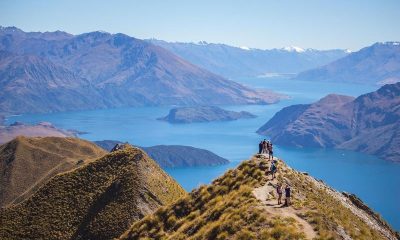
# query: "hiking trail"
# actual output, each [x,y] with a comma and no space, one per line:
[267,196]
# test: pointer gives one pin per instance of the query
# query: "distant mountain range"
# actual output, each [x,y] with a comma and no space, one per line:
[57,71]
[376,64]
[234,62]
[369,123]
[203,114]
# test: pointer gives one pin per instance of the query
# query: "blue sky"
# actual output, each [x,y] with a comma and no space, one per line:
[320,24]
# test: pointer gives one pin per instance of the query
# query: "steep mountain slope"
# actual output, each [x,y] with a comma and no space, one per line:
[203,114]
[234,62]
[97,201]
[369,123]
[242,205]
[170,156]
[376,64]
[34,84]
[27,163]
[98,70]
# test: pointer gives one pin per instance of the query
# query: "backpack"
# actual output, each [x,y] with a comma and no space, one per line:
[273,167]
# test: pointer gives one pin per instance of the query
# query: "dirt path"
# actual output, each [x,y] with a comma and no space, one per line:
[270,205]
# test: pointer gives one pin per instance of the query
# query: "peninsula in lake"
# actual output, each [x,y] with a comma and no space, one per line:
[369,123]
[171,156]
[203,114]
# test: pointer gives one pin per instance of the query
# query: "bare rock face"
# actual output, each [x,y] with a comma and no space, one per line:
[203,114]
[369,123]
[58,72]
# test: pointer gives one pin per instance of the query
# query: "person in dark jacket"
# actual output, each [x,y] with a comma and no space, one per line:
[288,193]
[270,151]
[273,169]
[260,147]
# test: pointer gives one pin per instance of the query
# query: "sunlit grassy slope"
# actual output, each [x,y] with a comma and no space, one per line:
[27,163]
[228,209]
[99,200]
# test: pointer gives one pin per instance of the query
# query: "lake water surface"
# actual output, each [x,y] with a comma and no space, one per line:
[374,180]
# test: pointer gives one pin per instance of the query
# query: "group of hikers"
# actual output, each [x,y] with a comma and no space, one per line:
[265,148]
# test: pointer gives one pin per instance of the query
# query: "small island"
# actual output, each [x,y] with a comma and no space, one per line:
[203,114]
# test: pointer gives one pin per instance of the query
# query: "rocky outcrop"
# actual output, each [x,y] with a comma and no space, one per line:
[369,123]
[203,114]
[171,156]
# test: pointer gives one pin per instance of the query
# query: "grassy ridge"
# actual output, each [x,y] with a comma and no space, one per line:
[224,209]
[27,163]
[100,200]
[227,209]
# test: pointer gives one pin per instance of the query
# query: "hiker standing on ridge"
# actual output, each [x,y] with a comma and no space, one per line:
[265,148]
[287,195]
[270,151]
[260,147]
[279,192]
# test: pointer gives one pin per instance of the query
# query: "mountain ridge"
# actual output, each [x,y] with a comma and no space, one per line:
[233,62]
[96,201]
[106,70]
[377,64]
[28,163]
[242,204]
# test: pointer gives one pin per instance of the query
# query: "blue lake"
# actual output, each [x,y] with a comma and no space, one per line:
[375,181]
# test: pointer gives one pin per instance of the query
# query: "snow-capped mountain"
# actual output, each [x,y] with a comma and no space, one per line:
[376,64]
[234,62]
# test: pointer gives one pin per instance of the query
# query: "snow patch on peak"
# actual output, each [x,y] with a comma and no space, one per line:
[294,49]
[244,48]
[390,43]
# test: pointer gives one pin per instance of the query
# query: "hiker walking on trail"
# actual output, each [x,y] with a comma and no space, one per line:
[270,150]
[287,195]
[273,169]
[260,147]
[279,192]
